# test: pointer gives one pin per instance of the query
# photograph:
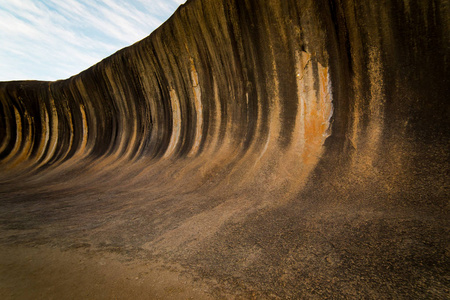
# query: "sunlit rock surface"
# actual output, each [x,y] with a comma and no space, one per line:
[272,149]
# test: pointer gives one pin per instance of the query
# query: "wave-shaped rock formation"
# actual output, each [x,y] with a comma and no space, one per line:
[273,149]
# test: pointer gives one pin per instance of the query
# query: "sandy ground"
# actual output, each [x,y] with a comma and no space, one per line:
[48,273]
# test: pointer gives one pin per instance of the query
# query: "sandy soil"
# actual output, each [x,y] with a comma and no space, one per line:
[48,273]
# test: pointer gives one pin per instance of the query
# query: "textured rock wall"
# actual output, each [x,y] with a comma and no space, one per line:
[327,119]
[237,82]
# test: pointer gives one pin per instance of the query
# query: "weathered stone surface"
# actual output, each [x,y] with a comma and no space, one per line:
[274,149]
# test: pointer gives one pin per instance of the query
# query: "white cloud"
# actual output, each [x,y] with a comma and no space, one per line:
[54,39]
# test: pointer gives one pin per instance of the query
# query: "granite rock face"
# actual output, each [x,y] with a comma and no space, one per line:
[276,148]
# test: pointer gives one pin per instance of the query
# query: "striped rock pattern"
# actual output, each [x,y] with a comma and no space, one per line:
[282,147]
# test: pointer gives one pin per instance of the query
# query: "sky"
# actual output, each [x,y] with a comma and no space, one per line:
[56,39]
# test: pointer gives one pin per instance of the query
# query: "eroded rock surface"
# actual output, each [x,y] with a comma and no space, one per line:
[273,149]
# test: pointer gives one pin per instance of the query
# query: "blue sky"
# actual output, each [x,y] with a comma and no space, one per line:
[55,39]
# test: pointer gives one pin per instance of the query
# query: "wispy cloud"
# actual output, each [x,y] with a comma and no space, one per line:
[54,39]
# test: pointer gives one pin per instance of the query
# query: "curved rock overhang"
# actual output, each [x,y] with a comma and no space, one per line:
[248,138]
